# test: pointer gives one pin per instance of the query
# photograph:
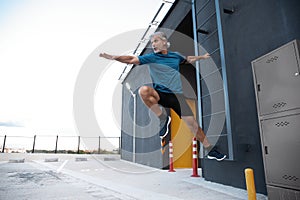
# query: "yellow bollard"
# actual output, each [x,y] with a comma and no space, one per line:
[250,184]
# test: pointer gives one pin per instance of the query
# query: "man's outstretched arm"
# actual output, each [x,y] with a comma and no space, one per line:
[122,59]
[193,59]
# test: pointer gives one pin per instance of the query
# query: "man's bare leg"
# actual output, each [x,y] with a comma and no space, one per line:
[196,130]
[150,97]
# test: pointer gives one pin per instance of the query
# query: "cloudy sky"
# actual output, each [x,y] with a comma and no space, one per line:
[43,45]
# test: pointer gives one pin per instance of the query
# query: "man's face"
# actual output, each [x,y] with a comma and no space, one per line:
[158,44]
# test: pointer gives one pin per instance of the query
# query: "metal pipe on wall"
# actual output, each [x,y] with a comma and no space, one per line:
[199,103]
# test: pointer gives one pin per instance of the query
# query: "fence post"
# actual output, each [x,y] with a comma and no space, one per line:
[99,149]
[78,150]
[120,145]
[55,151]
[3,148]
[34,137]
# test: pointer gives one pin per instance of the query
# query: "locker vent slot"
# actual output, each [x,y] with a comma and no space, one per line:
[258,87]
[281,124]
[272,59]
[290,178]
[266,150]
[279,105]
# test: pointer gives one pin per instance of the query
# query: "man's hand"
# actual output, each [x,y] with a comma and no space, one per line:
[193,59]
[107,56]
[205,56]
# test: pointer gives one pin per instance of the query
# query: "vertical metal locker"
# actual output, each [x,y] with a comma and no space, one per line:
[277,79]
[281,139]
[277,87]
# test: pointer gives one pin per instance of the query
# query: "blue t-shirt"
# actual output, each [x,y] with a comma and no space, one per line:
[164,70]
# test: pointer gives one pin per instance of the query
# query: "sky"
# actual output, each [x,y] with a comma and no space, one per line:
[43,45]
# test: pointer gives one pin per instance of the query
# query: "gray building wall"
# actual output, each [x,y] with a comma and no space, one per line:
[147,142]
[255,28]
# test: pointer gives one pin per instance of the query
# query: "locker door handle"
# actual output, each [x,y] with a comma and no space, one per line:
[266,150]
[258,87]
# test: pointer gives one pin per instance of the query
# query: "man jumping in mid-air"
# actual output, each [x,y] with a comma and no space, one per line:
[167,88]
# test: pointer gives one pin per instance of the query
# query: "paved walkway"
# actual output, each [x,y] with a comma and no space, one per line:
[54,176]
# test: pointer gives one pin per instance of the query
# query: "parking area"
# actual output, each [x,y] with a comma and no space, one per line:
[63,176]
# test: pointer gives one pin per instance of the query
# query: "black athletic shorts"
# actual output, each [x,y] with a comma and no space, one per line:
[175,101]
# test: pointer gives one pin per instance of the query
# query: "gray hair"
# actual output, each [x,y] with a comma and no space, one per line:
[162,36]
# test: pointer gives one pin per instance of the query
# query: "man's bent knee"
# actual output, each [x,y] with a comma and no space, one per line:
[144,91]
[148,95]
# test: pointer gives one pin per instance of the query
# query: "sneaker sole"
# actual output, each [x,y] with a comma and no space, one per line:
[218,159]
[169,121]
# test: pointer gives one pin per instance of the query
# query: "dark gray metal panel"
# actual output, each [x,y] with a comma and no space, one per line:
[255,28]
[277,193]
[281,141]
[126,147]
[178,13]
[147,141]
[213,103]
[213,82]
[278,79]
[126,125]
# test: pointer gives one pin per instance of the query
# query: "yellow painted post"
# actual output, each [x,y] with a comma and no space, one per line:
[250,184]
[181,137]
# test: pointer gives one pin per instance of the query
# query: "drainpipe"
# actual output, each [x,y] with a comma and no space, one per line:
[199,103]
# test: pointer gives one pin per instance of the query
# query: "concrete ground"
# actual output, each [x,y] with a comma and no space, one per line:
[66,176]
